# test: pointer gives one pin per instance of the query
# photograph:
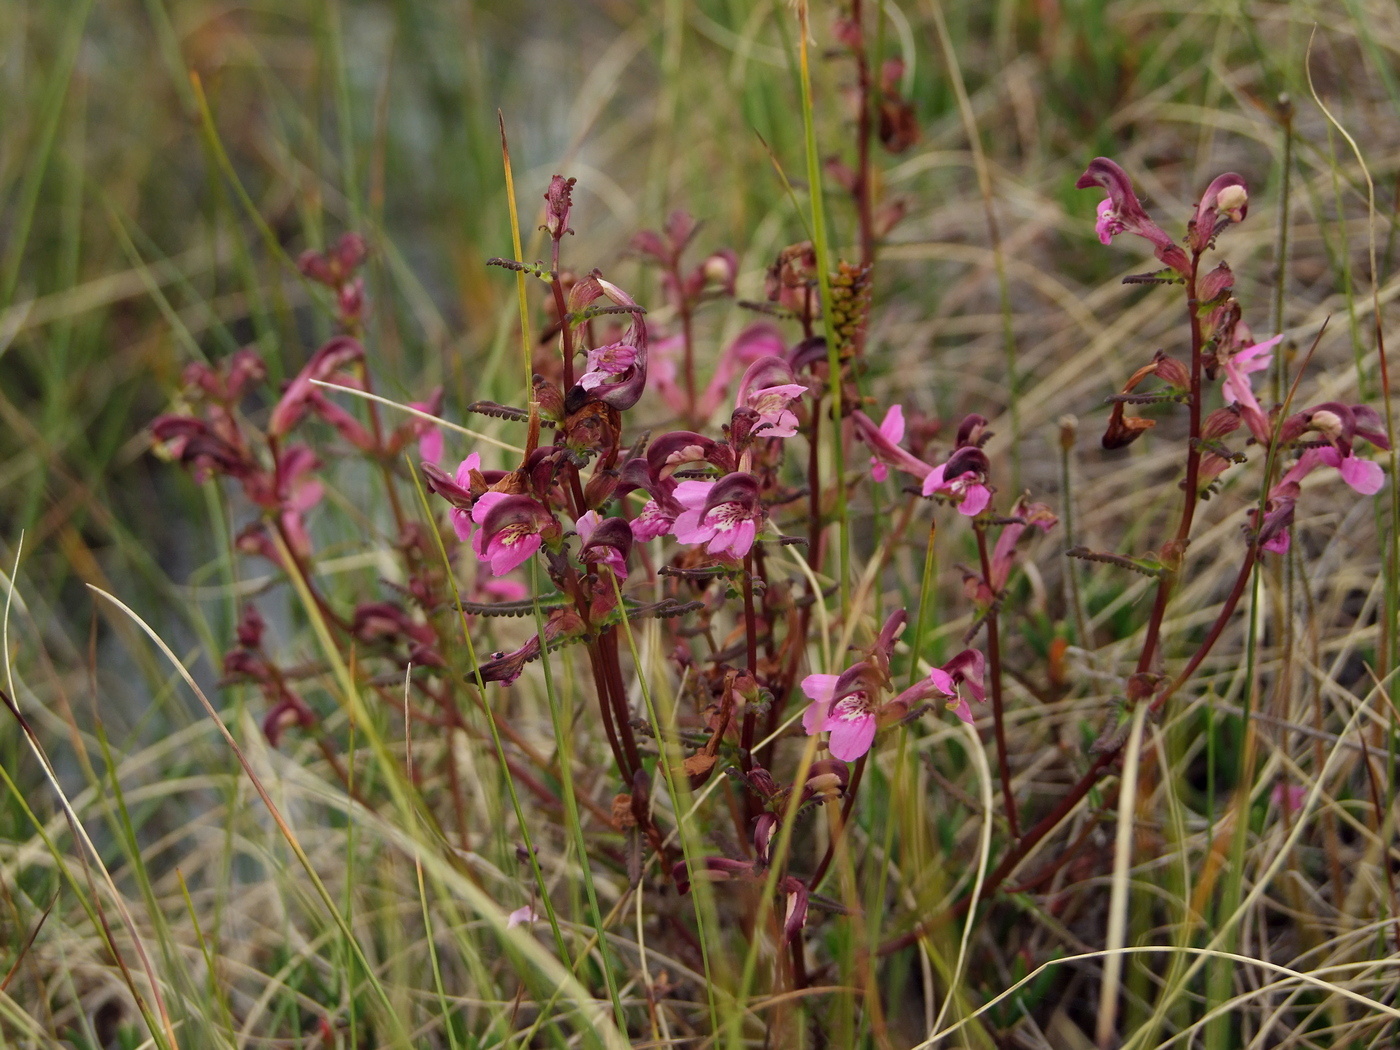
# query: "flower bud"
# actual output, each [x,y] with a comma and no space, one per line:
[721,269]
[250,628]
[1216,283]
[1233,201]
[1219,423]
[1171,371]
[827,779]
[558,201]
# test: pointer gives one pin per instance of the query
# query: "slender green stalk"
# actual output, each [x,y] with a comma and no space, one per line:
[821,246]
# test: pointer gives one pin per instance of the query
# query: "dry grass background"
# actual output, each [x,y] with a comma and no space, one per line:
[139,231]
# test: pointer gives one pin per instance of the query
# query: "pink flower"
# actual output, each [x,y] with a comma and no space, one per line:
[756,341]
[503,590]
[724,515]
[775,419]
[336,354]
[769,387]
[892,427]
[652,521]
[946,682]
[1236,387]
[1107,224]
[617,373]
[430,442]
[606,541]
[1363,475]
[1123,213]
[510,530]
[1024,515]
[606,362]
[299,491]
[963,479]
[883,442]
[526,916]
[850,720]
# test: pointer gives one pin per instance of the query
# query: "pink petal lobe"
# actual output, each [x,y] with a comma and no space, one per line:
[851,738]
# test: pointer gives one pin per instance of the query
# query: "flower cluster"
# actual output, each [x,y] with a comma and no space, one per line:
[1324,435]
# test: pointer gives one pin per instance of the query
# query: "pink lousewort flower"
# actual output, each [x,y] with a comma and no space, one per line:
[652,521]
[1226,200]
[757,340]
[511,530]
[1363,475]
[1123,213]
[325,362]
[606,541]
[883,442]
[1238,367]
[851,719]
[946,683]
[605,363]
[298,491]
[725,515]
[1025,514]
[769,388]
[618,374]
[963,479]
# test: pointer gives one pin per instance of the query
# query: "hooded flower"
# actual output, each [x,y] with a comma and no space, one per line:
[1121,212]
[725,515]
[963,479]
[511,530]
[324,363]
[1024,514]
[617,373]
[769,388]
[850,718]
[461,516]
[606,541]
[607,362]
[967,669]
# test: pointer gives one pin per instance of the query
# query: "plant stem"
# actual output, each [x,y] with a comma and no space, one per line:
[1192,481]
[1101,763]
[994,673]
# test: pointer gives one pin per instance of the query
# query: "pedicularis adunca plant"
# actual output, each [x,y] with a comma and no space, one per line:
[720,541]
